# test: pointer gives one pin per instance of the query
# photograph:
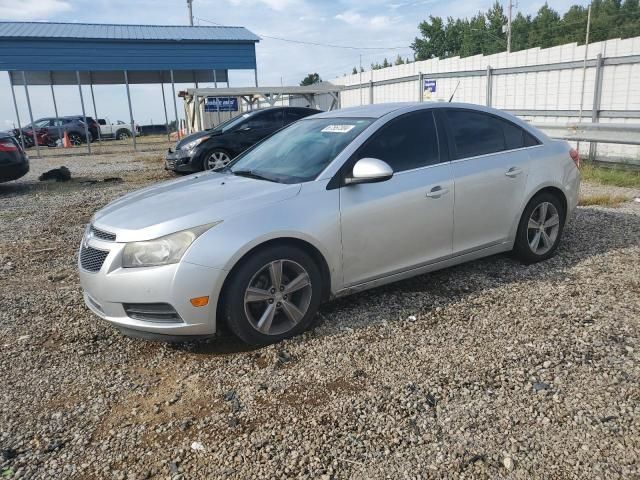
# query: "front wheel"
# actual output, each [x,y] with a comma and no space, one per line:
[274,294]
[75,139]
[540,228]
[216,159]
[123,135]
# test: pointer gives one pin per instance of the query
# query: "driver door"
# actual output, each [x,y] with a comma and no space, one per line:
[406,221]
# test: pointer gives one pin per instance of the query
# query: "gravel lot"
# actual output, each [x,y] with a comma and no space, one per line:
[488,370]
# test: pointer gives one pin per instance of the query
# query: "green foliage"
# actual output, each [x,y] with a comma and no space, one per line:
[354,71]
[483,33]
[310,79]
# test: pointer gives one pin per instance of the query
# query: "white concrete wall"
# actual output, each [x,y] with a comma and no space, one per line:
[543,90]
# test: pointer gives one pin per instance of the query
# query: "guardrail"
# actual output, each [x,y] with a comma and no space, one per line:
[621,133]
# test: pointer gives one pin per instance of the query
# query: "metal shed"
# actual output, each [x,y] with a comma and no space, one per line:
[38,53]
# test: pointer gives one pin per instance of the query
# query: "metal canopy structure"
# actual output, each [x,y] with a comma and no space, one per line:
[37,53]
[253,95]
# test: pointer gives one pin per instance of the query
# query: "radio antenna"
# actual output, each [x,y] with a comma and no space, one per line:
[454,91]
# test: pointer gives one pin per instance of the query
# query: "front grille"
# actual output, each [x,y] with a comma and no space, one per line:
[102,235]
[91,259]
[152,312]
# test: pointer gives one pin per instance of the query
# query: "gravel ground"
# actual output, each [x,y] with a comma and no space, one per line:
[487,370]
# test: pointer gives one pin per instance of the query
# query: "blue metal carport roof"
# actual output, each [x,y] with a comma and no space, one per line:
[35,46]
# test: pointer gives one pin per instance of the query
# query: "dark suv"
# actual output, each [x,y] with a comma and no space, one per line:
[50,129]
[213,149]
[13,161]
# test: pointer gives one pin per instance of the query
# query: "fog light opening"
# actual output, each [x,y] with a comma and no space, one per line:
[200,301]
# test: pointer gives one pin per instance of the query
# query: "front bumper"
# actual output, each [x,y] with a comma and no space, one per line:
[106,290]
[180,161]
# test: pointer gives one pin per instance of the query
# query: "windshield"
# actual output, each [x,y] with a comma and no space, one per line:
[301,151]
[231,123]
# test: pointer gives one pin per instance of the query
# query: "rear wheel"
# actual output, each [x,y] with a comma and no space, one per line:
[274,294]
[216,159]
[123,135]
[540,228]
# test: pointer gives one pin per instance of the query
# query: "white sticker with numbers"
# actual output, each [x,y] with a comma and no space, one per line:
[337,128]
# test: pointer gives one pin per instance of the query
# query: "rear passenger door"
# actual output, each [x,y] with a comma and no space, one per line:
[490,167]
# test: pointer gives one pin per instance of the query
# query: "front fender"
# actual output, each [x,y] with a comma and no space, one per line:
[312,217]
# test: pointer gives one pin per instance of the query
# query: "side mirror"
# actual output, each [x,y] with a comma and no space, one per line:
[369,170]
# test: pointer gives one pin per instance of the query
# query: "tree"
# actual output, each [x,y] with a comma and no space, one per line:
[544,28]
[432,43]
[386,63]
[354,71]
[398,60]
[310,79]
[496,38]
[520,27]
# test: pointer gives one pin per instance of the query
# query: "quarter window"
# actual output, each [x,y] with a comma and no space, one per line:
[407,142]
[269,119]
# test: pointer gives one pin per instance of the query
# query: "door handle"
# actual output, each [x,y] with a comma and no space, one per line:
[513,172]
[437,192]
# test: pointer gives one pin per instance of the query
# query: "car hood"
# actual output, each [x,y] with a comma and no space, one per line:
[185,203]
[195,136]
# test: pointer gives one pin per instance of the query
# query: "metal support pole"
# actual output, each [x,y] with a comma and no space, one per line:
[489,82]
[255,74]
[175,105]
[84,114]
[55,106]
[215,84]
[95,110]
[370,92]
[164,104]
[509,26]
[133,129]
[196,105]
[597,96]
[420,86]
[15,105]
[33,127]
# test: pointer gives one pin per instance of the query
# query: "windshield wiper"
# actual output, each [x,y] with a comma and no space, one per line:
[252,174]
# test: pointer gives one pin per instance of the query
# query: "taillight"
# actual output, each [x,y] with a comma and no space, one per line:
[575,156]
[8,146]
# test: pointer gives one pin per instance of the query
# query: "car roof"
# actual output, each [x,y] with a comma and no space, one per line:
[381,109]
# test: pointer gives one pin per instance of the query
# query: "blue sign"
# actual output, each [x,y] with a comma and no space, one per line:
[221,104]
[430,86]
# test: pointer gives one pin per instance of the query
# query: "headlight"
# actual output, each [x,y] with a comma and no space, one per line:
[194,143]
[161,251]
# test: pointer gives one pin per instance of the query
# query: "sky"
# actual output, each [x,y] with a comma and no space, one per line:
[390,26]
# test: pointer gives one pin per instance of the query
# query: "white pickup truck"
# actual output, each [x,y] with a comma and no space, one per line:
[118,130]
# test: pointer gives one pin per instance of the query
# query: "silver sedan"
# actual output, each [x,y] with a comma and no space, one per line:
[334,204]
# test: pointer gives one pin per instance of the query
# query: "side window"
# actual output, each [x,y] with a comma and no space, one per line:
[270,119]
[475,133]
[407,142]
[516,137]
[293,115]
[102,121]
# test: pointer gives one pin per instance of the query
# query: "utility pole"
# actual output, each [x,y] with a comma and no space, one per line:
[190,5]
[510,9]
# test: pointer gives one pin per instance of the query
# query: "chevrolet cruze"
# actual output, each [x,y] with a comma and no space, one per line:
[333,204]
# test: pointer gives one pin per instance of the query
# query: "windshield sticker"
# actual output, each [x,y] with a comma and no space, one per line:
[337,128]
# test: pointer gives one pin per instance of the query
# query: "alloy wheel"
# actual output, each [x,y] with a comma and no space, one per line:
[217,160]
[75,140]
[543,228]
[277,297]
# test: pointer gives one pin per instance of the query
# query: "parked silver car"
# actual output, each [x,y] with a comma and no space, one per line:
[333,204]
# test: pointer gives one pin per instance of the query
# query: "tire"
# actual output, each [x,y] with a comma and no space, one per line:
[265,314]
[123,134]
[75,139]
[534,243]
[216,159]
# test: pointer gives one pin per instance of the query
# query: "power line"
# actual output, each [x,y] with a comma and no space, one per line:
[316,44]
